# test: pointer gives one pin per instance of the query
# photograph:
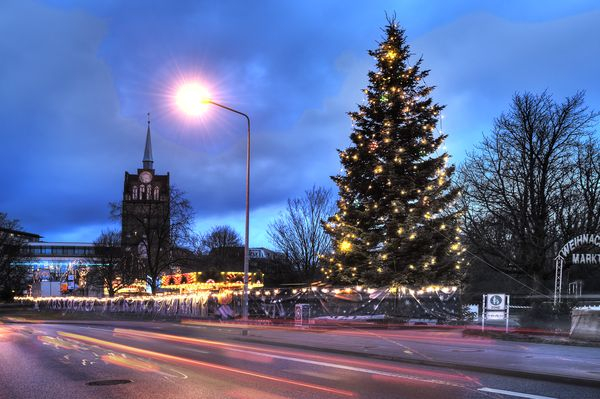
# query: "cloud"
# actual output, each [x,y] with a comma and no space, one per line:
[62,137]
[479,61]
[78,80]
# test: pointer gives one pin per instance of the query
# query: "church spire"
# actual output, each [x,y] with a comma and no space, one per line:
[148,161]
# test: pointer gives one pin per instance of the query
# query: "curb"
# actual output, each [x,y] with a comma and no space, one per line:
[540,339]
[434,363]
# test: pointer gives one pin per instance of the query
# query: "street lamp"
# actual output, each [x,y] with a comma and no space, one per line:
[193,98]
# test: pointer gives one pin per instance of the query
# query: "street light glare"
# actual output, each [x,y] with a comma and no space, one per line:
[192,98]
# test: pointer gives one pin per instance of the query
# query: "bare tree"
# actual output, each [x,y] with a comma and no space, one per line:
[112,270]
[517,179]
[162,232]
[580,212]
[12,250]
[220,237]
[299,233]
[221,246]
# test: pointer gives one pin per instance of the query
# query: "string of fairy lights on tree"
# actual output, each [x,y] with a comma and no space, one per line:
[396,203]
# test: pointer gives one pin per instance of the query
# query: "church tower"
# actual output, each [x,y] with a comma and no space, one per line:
[145,207]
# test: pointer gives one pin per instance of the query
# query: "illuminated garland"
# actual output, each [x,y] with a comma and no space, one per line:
[224,291]
[191,281]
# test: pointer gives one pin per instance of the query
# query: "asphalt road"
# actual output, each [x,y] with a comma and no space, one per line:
[156,360]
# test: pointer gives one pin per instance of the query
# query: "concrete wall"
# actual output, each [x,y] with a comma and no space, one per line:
[585,324]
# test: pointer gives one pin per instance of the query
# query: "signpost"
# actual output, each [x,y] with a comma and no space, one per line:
[495,307]
[302,314]
[70,282]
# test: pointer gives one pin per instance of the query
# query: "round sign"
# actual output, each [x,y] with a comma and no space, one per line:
[496,300]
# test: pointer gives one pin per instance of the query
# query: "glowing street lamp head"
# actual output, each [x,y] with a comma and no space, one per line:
[192,98]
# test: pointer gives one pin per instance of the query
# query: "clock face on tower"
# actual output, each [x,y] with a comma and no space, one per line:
[145,177]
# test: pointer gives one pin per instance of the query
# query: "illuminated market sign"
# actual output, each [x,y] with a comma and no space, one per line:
[586,259]
[577,259]
[575,242]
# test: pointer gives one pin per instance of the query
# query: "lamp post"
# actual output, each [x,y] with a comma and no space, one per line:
[247,228]
[190,98]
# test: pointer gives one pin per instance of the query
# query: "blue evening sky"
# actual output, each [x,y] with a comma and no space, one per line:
[78,77]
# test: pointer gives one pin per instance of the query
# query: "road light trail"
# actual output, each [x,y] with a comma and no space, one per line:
[327,329]
[325,361]
[197,363]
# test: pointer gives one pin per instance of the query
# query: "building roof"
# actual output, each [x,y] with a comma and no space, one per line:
[148,161]
[20,233]
[60,244]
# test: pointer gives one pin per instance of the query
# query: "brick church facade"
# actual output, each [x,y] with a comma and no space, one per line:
[145,206]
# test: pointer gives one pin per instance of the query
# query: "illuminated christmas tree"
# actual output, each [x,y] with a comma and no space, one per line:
[396,221]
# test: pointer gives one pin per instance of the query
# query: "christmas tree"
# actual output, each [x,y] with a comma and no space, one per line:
[396,222]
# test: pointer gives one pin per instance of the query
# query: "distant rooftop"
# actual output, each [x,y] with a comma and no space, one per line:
[32,236]
[61,244]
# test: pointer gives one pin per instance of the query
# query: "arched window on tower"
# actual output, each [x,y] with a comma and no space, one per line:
[134,194]
[142,189]
[156,193]
[148,192]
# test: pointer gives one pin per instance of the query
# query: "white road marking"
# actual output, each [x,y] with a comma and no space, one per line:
[314,374]
[344,367]
[197,350]
[511,393]
[105,329]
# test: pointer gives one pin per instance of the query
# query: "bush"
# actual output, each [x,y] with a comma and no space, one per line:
[546,316]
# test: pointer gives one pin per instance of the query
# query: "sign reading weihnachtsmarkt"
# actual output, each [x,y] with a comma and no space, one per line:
[575,242]
[576,259]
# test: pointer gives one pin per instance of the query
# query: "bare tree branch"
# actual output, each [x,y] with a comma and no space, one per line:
[519,188]
[299,234]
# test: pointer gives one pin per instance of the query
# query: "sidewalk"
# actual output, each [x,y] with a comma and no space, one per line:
[559,338]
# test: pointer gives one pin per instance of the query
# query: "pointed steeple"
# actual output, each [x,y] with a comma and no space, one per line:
[148,161]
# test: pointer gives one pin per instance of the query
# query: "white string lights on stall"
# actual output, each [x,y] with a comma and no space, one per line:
[264,292]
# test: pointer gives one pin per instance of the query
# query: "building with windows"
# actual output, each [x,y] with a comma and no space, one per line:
[52,260]
[263,253]
[20,235]
[49,261]
[145,210]
[145,206]
[56,268]
[145,225]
